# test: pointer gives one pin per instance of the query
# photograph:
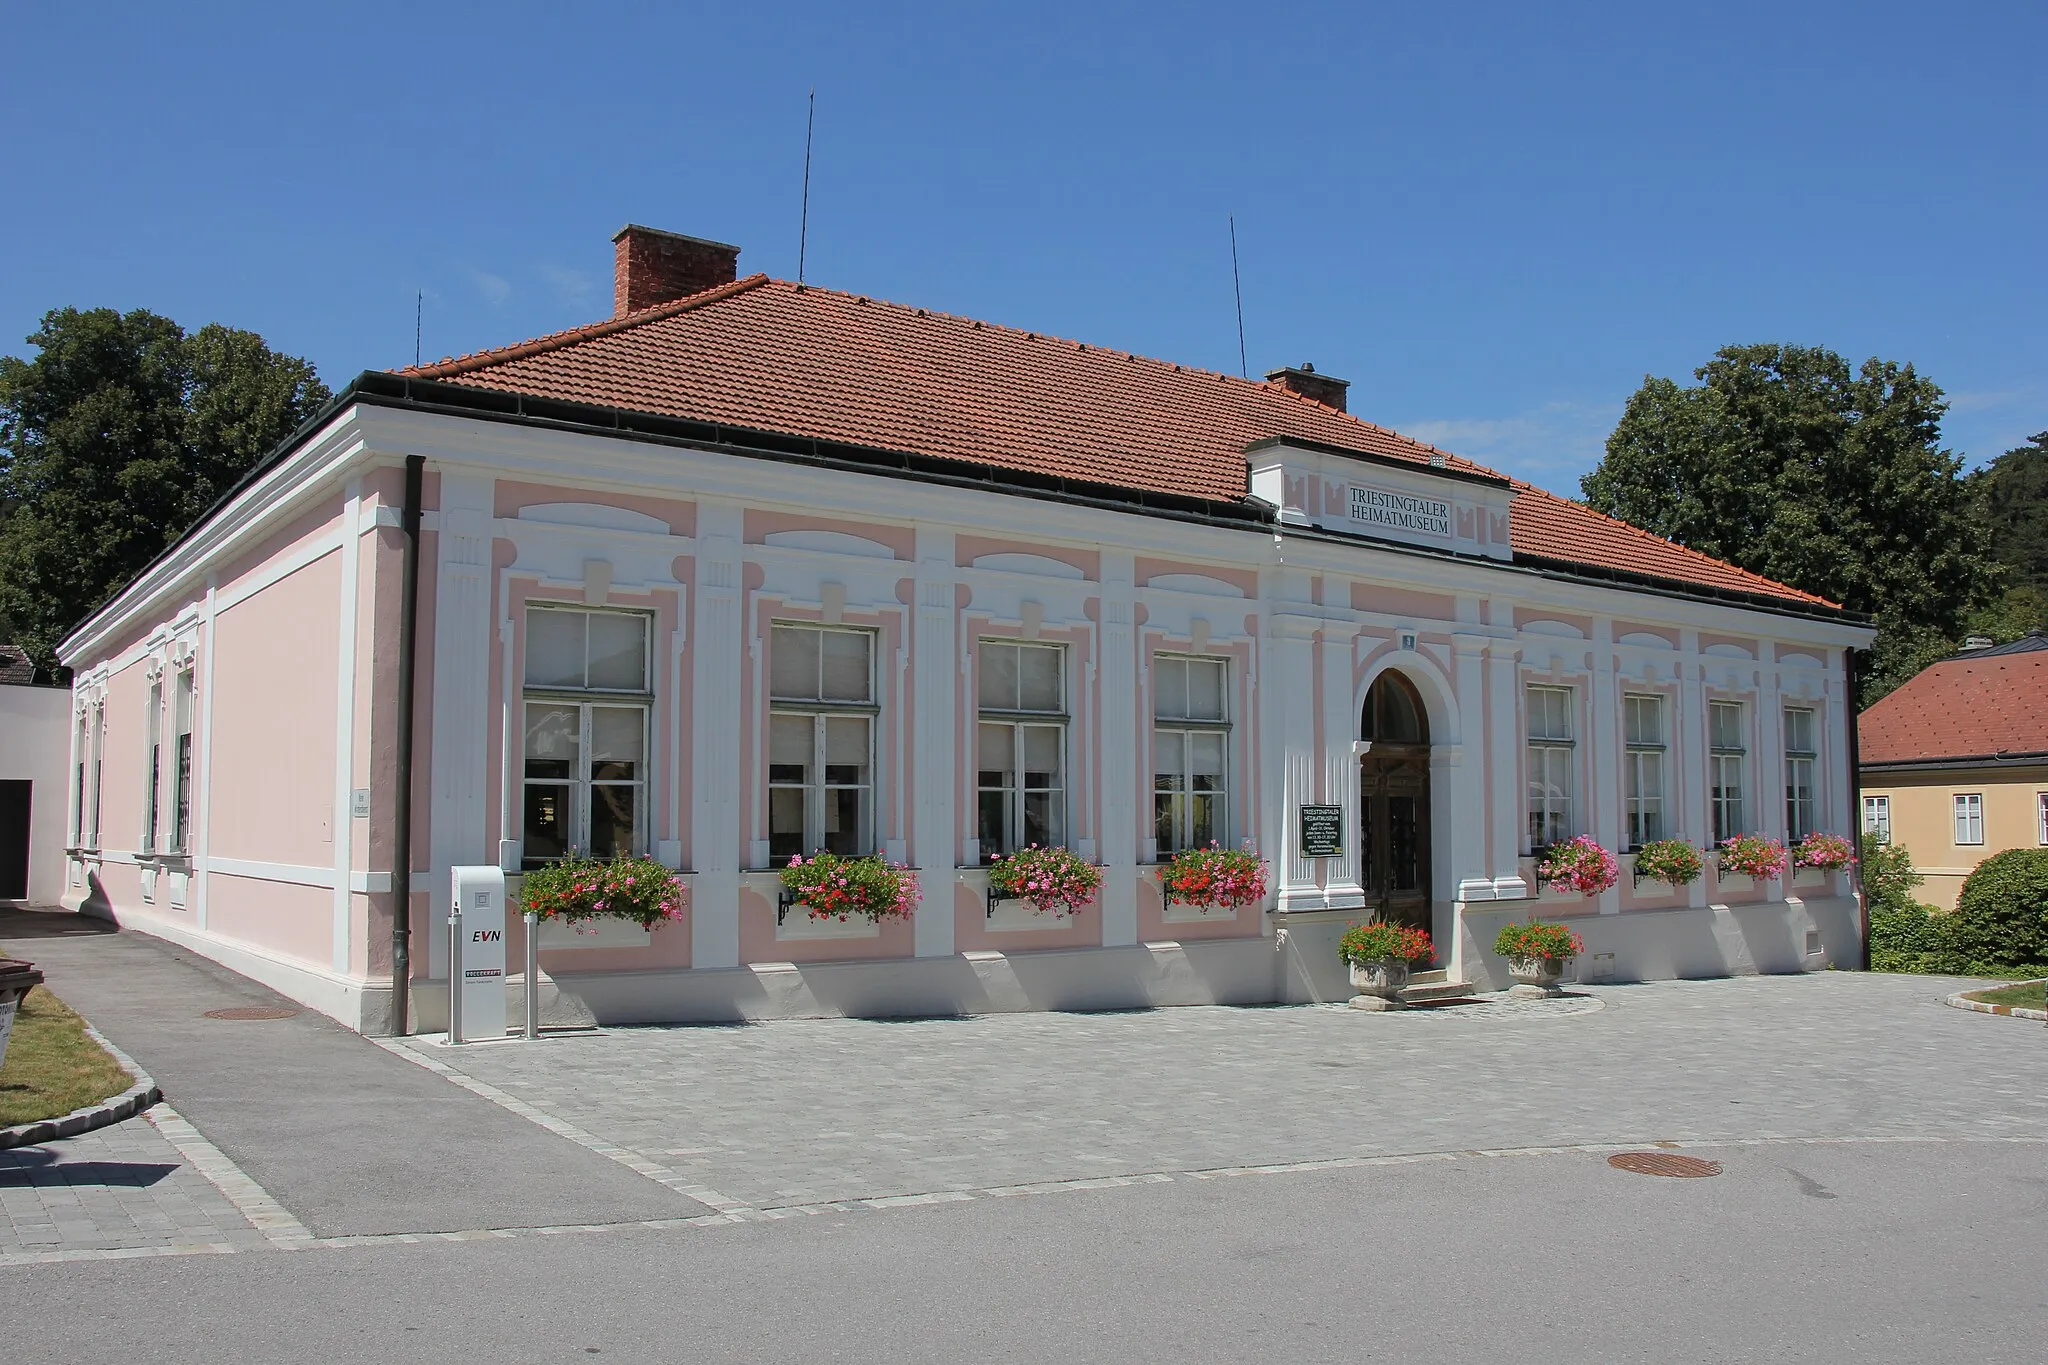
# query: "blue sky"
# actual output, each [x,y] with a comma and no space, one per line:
[1493,219]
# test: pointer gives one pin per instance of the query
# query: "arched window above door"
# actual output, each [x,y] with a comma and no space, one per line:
[1393,712]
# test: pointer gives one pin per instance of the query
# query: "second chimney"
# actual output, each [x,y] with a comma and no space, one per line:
[1306,382]
[650,266]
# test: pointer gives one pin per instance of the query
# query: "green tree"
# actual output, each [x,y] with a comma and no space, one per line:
[1788,463]
[114,439]
[2012,500]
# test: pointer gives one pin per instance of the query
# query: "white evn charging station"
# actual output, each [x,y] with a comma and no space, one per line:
[476,954]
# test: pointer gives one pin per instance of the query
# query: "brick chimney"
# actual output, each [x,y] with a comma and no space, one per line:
[1306,382]
[650,266]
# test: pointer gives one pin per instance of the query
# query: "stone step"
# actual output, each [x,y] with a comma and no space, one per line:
[1420,990]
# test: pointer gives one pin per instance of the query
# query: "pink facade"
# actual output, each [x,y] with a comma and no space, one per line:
[283,618]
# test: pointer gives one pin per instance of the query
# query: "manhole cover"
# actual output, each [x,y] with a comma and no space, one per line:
[1663,1163]
[252,1012]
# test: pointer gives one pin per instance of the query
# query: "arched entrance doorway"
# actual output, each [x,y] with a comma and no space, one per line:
[1393,802]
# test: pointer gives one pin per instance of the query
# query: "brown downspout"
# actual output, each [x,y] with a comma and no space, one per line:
[401,804]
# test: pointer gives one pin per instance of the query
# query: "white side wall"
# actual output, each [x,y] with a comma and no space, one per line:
[35,746]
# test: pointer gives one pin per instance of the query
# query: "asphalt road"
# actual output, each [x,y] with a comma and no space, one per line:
[1895,1251]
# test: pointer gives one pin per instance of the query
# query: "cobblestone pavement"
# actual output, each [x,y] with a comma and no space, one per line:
[122,1188]
[792,1113]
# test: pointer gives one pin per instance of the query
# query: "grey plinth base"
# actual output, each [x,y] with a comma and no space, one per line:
[1527,992]
[1374,1003]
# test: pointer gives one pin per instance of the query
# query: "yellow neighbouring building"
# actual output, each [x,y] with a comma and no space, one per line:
[1955,763]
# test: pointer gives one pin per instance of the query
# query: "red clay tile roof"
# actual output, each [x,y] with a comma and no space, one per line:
[811,362]
[1972,706]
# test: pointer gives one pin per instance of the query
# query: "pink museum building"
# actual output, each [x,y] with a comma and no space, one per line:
[754,568]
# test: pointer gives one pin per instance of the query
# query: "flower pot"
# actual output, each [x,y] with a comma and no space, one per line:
[1535,977]
[17,979]
[1378,984]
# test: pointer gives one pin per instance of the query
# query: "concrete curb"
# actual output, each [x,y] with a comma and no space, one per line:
[118,1109]
[1962,1001]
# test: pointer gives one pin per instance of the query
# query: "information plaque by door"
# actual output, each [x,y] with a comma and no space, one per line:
[1322,831]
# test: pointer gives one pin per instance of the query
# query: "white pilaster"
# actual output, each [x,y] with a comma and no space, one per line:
[1504,765]
[202,836]
[1119,745]
[1340,761]
[459,780]
[1288,704]
[1466,833]
[718,685]
[1689,736]
[935,679]
[1603,730]
[1770,752]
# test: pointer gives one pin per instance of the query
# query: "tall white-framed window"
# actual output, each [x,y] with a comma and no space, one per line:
[587,689]
[153,791]
[181,762]
[1190,752]
[1552,763]
[2041,817]
[1877,817]
[1969,817]
[1727,758]
[99,754]
[81,738]
[1642,725]
[1800,752]
[1021,747]
[821,741]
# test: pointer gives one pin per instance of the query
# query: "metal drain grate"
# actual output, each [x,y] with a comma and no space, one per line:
[1664,1163]
[252,1012]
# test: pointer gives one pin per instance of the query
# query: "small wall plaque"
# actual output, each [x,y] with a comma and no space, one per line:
[1322,831]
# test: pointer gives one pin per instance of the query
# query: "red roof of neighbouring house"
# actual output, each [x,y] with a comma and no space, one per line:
[1983,704]
[817,363]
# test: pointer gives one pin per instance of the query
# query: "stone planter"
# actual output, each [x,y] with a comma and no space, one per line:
[1378,984]
[1536,977]
[17,979]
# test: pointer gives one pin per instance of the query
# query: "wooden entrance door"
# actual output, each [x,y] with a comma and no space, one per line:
[1393,839]
[1393,802]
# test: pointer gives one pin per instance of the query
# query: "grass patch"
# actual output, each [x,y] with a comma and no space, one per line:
[52,1067]
[2027,997]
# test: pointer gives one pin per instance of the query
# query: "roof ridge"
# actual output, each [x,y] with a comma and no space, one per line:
[554,341]
[1523,486]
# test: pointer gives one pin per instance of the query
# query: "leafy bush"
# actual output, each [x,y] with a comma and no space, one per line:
[1669,860]
[1538,939]
[575,890]
[1215,876]
[1378,941]
[1905,939]
[1052,879]
[1888,876]
[2001,918]
[1580,865]
[834,887]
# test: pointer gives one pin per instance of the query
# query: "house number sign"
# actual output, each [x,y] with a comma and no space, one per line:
[1322,831]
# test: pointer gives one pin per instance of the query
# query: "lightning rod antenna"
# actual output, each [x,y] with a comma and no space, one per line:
[1237,287]
[803,232]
